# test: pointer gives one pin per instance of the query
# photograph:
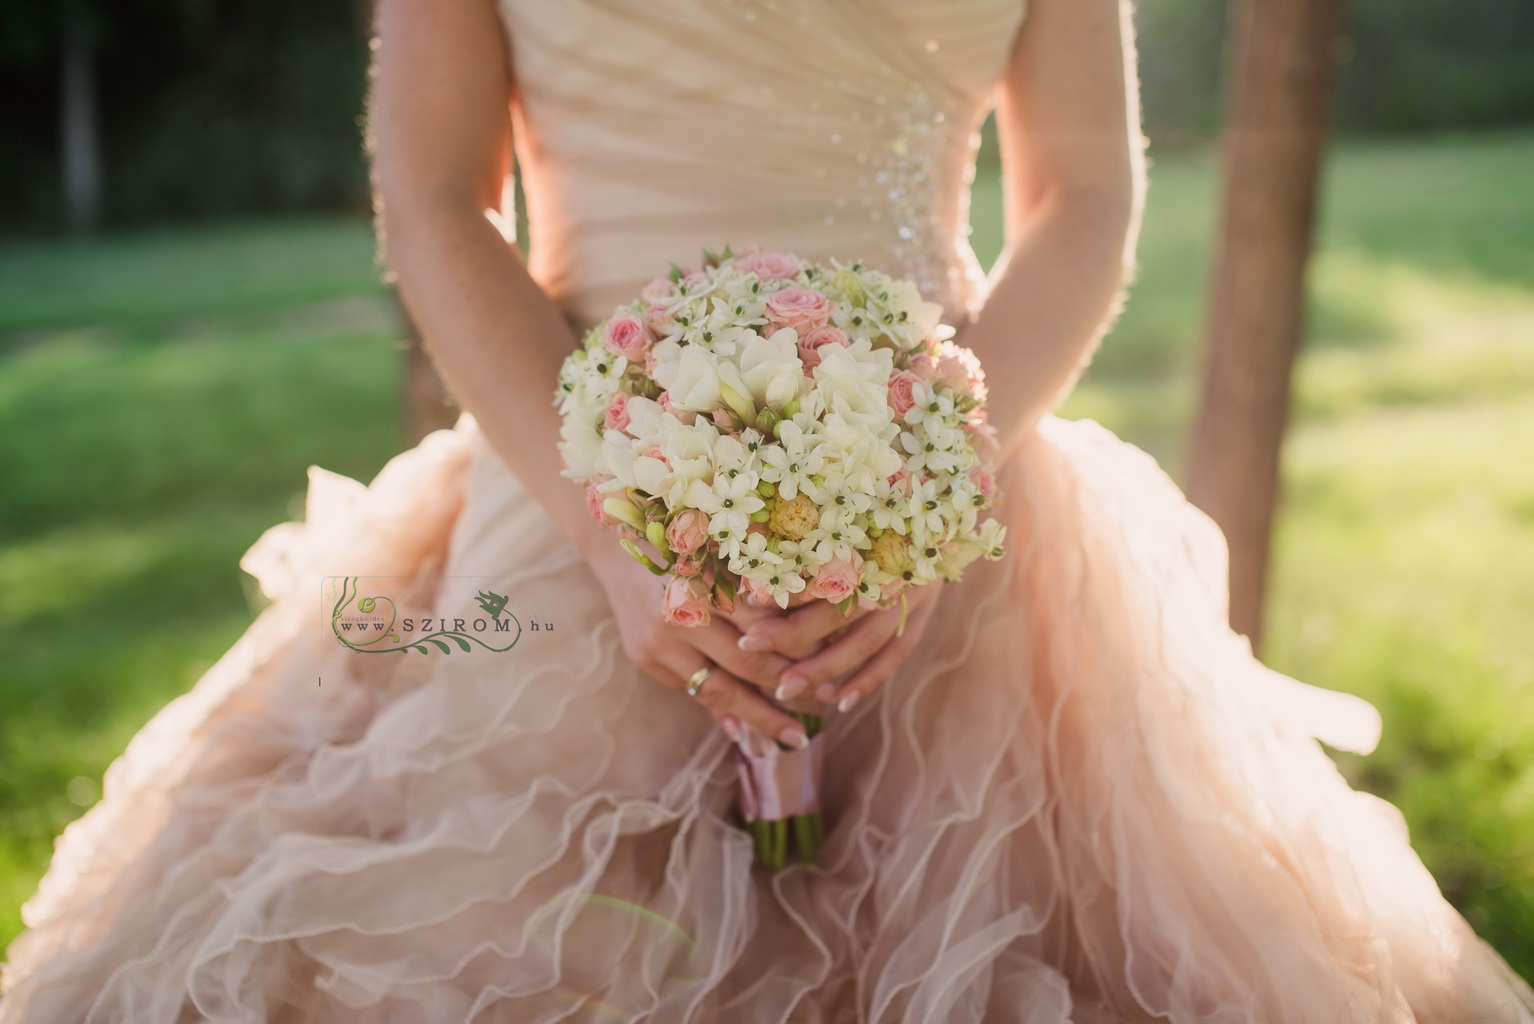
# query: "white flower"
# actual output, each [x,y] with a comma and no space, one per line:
[963,495]
[729,504]
[793,463]
[734,457]
[768,370]
[925,508]
[692,380]
[581,445]
[941,451]
[755,557]
[931,409]
[853,381]
[889,512]
[690,451]
[838,535]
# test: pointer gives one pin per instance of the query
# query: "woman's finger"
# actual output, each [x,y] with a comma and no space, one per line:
[818,673]
[718,641]
[800,632]
[887,660]
[730,701]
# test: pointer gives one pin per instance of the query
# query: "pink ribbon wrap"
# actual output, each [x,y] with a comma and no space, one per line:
[775,783]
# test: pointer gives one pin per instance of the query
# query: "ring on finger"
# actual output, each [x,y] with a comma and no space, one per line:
[697,679]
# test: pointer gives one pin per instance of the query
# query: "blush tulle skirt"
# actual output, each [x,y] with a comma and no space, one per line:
[1082,800]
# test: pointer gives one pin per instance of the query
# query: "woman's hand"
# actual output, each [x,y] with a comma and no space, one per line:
[672,654]
[864,644]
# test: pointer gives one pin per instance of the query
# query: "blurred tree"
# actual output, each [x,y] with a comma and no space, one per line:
[1281,59]
[78,128]
[203,108]
[211,109]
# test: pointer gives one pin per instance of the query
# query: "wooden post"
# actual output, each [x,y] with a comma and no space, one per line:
[1280,61]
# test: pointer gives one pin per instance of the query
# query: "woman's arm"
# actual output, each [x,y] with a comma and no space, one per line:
[441,126]
[1073,174]
[1074,179]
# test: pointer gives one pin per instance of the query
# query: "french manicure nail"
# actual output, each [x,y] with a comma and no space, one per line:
[846,702]
[826,694]
[794,737]
[731,729]
[791,687]
[753,642]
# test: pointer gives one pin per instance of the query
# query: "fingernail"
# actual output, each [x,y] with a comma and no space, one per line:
[846,702]
[791,687]
[794,737]
[731,729]
[753,642]
[826,694]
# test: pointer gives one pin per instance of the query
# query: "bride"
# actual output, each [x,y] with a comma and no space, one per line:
[1066,791]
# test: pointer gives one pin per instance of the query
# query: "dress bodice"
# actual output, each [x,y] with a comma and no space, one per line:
[647,131]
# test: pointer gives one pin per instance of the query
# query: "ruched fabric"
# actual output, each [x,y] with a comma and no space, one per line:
[1082,800]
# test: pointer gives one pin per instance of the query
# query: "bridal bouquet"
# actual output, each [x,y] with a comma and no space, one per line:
[787,430]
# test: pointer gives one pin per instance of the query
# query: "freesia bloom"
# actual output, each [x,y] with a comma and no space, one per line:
[686,602]
[802,309]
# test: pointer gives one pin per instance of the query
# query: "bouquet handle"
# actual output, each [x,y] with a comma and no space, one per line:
[780,793]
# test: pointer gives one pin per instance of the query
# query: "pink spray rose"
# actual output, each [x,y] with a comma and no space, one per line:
[985,480]
[959,370]
[685,415]
[811,343]
[901,395]
[757,590]
[769,266]
[687,532]
[837,579]
[686,602]
[803,309]
[627,336]
[658,290]
[617,416]
[594,504]
[924,366]
[658,320]
[982,436]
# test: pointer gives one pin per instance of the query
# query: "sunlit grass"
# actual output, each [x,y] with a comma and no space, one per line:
[161,395]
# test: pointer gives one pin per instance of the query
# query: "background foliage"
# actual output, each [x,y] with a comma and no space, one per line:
[236,108]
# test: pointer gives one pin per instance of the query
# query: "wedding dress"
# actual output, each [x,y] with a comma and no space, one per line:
[1082,799]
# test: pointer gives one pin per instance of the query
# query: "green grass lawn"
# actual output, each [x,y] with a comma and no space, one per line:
[161,394]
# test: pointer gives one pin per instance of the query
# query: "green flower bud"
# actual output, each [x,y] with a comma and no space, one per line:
[624,511]
[738,403]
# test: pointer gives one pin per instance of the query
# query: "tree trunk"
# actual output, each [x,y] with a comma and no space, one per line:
[1280,68]
[81,151]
